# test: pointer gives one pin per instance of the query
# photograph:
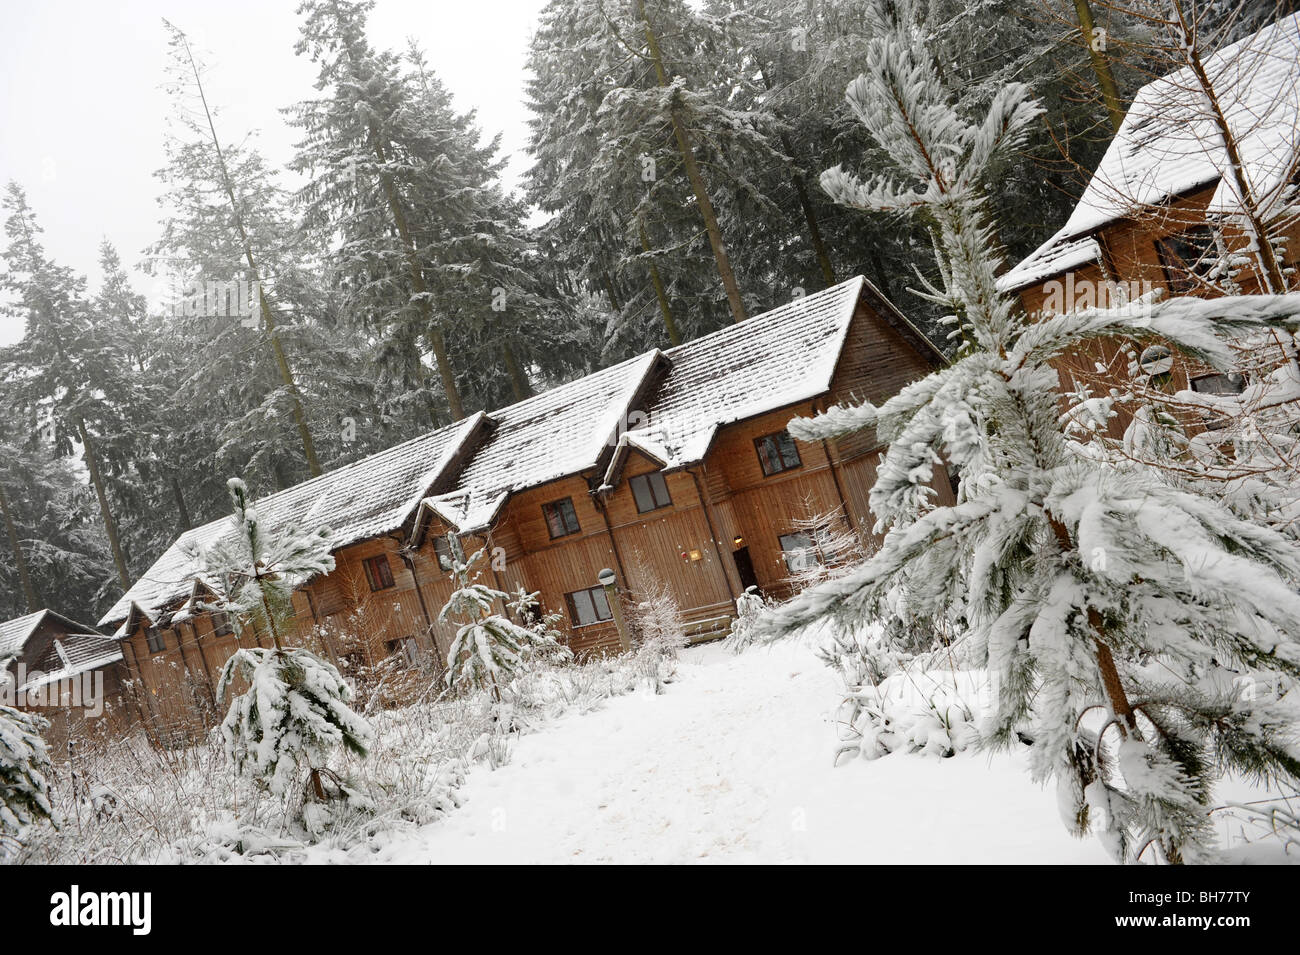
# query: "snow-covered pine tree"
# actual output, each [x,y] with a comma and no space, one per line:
[430,250]
[749,611]
[1085,588]
[68,378]
[489,647]
[295,712]
[24,764]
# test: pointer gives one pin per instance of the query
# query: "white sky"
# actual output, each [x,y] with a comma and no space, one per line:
[83,111]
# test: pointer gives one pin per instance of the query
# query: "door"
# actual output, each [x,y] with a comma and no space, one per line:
[745,568]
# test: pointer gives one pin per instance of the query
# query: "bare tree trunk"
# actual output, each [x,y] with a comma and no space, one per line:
[20,559]
[181,509]
[268,318]
[1096,46]
[695,177]
[519,383]
[110,526]
[661,293]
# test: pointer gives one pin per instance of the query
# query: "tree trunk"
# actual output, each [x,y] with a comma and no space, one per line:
[695,177]
[20,559]
[1100,64]
[110,526]
[661,293]
[519,383]
[268,319]
[183,511]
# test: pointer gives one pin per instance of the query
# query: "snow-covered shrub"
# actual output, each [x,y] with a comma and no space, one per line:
[292,717]
[658,632]
[488,648]
[24,767]
[749,608]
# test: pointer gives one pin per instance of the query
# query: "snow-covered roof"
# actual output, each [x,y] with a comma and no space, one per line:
[668,405]
[771,361]
[1168,146]
[70,656]
[15,633]
[372,496]
[1054,257]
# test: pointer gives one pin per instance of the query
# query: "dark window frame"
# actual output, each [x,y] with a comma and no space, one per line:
[1182,275]
[782,464]
[647,480]
[155,639]
[1236,387]
[591,593]
[443,553]
[556,506]
[379,573]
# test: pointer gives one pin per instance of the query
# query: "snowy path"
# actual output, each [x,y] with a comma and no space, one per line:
[732,764]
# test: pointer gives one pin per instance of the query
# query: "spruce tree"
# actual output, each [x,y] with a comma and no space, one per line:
[1084,588]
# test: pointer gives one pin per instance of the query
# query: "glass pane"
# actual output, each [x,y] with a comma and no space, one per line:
[554,523]
[660,488]
[582,608]
[789,453]
[641,491]
[570,516]
[768,454]
[602,604]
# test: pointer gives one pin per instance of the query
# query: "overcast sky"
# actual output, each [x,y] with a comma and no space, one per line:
[83,111]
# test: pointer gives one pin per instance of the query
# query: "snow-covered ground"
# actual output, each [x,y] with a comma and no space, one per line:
[733,764]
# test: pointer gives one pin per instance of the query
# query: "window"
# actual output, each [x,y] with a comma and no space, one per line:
[442,549]
[588,606]
[1188,259]
[800,552]
[1229,384]
[650,491]
[407,647]
[777,453]
[221,626]
[378,572]
[153,636]
[561,518]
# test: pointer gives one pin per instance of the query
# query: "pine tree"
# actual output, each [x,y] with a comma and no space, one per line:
[65,376]
[1084,588]
[24,765]
[489,647]
[295,712]
[188,80]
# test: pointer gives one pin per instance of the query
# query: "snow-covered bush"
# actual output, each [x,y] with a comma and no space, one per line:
[749,608]
[489,647]
[24,766]
[292,717]
[1070,573]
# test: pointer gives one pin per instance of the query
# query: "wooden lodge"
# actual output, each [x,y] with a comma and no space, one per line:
[69,672]
[672,469]
[1161,211]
